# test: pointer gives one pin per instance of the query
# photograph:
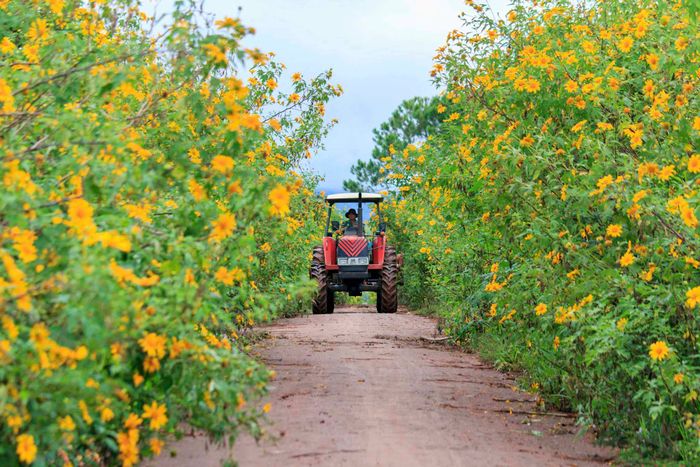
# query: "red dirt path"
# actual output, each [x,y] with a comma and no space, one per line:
[359,388]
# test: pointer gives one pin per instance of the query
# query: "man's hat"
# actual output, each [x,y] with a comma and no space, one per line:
[351,211]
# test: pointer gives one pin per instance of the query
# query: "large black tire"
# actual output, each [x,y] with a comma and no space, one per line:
[387,295]
[331,302]
[323,301]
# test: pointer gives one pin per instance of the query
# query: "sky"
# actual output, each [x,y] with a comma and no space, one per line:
[380,51]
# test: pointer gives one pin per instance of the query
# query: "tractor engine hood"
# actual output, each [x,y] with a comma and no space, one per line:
[353,251]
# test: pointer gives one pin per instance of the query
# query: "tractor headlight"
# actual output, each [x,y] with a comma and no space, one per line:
[353,261]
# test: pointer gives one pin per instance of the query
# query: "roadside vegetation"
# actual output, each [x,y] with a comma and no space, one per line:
[150,212]
[551,218]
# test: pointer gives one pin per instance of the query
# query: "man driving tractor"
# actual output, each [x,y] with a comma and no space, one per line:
[353,258]
[351,223]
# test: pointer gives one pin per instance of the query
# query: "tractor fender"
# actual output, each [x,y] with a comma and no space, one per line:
[329,251]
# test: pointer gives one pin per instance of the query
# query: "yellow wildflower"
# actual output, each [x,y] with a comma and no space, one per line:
[658,351]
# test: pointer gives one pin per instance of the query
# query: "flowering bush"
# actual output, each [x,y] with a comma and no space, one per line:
[553,217]
[149,213]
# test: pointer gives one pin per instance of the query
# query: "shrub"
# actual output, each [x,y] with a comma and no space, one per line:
[553,215]
[149,213]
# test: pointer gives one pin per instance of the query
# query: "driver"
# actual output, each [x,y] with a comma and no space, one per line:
[351,223]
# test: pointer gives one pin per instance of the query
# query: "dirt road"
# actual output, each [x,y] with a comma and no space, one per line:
[359,388]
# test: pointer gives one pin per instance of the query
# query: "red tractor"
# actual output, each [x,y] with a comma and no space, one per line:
[354,262]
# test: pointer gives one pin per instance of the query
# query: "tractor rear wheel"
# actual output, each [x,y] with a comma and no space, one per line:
[323,301]
[331,302]
[387,295]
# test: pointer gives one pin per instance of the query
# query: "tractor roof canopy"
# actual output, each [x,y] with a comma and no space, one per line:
[354,197]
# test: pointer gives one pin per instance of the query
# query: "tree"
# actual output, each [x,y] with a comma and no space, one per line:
[412,121]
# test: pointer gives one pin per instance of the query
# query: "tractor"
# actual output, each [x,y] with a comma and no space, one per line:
[353,261]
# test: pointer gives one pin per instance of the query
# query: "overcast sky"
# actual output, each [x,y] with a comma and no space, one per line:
[380,51]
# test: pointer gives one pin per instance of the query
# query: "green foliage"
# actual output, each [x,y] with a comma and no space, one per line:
[552,218]
[150,213]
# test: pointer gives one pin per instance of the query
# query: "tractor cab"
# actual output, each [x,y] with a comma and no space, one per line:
[364,207]
[354,257]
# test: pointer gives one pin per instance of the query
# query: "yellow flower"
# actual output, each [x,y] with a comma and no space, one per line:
[667,172]
[540,309]
[10,327]
[194,156]
[678,378]
[106,414]
[153,345]
[227,22]
[571,86]
[14,422]
[38,31]
[228,277]
[114,239]
[6,98]
[56,6]
[79,212]
[7,46]
[196,190]
[492,310]
[681,43]
[279,197]
[532,85]
[274,124]
[223,164]
[26,449]
[614,230]
[621,323]
[692,297]
[579,126]
[151,364]
[640,195]
[694,163]
[647,275]
[625,44]
[223,227]
[128,447]
[627,259]
[66,423]
[141,212]
[132,422]
[658,351]
[157,414]
[676,205]
[215,53]
[85,412]
[137,379]
[688,216]
[653,61]
[156,445]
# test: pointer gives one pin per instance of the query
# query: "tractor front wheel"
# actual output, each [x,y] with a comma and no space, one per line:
[387,295]
[324,300]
